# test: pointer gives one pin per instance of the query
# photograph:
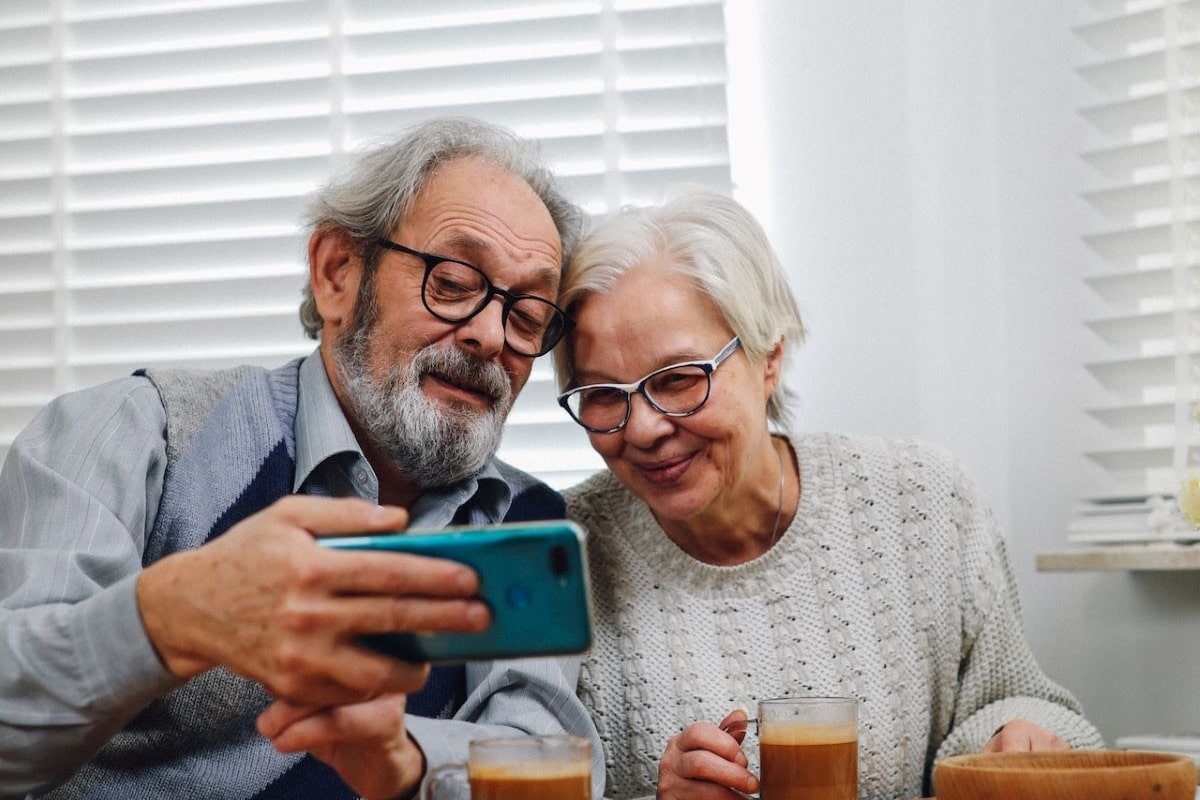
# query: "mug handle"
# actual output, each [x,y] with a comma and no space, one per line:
[446,778]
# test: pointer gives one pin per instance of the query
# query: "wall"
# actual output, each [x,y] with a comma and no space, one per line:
[913,162]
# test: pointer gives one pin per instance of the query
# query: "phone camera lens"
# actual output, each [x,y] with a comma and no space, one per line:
[560,561]
[518,596]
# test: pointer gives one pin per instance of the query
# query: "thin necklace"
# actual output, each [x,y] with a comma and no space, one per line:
[775,532]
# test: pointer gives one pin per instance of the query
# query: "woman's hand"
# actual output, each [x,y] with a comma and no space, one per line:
[706,762]
[1021,735]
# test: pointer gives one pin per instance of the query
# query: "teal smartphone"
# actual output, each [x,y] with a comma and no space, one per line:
[532,575]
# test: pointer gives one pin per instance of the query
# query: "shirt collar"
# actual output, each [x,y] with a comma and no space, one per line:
[323,434]
[322,431]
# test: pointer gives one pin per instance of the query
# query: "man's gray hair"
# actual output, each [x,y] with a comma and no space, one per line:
[377,187]
[715,242]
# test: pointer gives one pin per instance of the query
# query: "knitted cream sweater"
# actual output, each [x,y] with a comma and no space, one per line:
[892,584]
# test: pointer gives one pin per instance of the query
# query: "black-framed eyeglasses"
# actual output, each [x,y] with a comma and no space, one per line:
[455,291]
[676,391]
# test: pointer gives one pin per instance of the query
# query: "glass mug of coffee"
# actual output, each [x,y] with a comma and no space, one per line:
[519,768]
[808,748]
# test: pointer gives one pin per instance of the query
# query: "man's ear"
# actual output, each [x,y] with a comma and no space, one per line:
[335,270]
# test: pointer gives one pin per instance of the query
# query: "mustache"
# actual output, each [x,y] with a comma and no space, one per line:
[462,369]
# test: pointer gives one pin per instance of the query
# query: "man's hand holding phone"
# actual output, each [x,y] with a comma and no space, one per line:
[269,604]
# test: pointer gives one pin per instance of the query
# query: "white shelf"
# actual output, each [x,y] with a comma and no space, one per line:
[1122,557]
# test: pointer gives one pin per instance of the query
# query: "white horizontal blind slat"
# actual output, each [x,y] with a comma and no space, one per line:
[27,217]
[1143,112]
[192,131]
[155,156]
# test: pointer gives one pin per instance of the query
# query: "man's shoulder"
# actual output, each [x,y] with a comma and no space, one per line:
[198,384]
[202,389]
[114,390]
[196,399]
[132,397]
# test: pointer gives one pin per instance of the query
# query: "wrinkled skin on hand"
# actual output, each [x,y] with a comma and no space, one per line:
[366,743]
[705,762]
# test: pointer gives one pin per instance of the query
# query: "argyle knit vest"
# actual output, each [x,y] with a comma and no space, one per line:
[230,453]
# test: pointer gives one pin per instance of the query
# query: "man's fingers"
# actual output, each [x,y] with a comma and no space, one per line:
[338,515]
[308,674]
[282,714]
[375,614]
[375,572]
[348,673]
[293,728]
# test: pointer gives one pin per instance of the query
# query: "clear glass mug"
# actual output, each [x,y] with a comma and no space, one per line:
[519,768]
[808,748]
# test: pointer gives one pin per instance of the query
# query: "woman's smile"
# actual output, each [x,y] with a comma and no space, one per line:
[665,471]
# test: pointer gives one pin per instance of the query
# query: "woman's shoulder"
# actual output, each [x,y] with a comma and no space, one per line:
[872,449]
[830,460]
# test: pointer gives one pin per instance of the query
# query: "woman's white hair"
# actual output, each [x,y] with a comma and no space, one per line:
[717,243]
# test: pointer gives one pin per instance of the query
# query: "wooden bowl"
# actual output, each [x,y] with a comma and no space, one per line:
[1066,775]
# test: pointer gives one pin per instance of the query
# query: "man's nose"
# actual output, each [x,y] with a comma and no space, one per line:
[483,334]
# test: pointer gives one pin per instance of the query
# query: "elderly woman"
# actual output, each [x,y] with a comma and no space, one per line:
[734,560]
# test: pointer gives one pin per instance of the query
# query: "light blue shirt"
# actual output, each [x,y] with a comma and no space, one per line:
[78,497]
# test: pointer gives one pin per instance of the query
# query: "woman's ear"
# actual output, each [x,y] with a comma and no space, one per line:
[335,270]
[773,369]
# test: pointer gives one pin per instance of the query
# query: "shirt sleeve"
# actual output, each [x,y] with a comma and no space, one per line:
[78,493]
[533,696]
[1000,680]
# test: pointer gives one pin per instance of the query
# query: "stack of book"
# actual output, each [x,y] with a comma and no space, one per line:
[1152,519]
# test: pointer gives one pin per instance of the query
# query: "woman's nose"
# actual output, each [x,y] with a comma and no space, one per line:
[646,423]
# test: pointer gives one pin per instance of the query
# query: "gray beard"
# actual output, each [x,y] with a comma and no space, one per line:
[432,444]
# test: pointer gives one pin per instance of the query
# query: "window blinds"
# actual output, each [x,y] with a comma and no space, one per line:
[155,156]
[1143,160]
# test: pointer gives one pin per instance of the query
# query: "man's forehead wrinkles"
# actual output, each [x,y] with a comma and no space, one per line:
[485,249]
[483,233]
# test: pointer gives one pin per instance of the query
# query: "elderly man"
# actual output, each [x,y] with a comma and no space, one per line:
[169,626]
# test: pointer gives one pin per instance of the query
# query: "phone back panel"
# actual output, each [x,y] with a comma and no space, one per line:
[533,576]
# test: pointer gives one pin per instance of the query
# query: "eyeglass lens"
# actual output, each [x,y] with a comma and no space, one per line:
[678,391]
[456,292]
